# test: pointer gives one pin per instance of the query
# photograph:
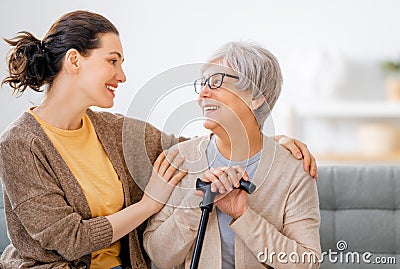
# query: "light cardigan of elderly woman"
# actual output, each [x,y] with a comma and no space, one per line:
[240,85]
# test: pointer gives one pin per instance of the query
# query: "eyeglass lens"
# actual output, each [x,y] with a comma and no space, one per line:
[214,82]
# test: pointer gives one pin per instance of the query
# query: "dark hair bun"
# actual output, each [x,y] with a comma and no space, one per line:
[26,63]
[33,63]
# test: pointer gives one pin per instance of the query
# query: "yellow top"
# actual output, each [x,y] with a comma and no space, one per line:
[86,158]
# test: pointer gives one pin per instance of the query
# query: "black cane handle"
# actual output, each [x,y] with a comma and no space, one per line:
[247,186]
[208,199]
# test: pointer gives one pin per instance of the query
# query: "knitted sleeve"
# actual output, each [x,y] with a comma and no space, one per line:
[39,205]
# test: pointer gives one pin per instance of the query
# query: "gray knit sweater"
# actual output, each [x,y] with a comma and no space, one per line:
[48,218]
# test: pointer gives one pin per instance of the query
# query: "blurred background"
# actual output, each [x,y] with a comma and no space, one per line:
[340,62]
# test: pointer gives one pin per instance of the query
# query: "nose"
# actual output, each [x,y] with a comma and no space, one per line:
[205,91]
[120,75]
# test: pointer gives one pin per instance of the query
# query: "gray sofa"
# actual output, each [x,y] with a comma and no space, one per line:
[360,212]
[4,241]
[360,209]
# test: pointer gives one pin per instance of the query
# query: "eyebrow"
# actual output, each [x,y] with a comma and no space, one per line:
[118,54]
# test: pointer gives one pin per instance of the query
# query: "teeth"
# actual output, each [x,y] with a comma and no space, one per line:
[206,108]
[111,88]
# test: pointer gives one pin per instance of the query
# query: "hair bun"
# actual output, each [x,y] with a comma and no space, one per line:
[34,63]
[26,63]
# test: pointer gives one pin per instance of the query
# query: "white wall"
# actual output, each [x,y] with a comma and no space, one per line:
[322,45]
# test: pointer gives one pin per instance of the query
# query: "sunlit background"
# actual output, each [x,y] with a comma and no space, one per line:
[331,54]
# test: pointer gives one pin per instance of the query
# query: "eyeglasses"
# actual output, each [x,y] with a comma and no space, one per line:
[214,81]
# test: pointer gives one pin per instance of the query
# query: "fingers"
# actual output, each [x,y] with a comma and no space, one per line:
[314,168]
[167,165]
[226,183]
[295,150]
[306,162]
[199,193]
[225,178]
[159,160]
[309,162]
[289,144]
[234,177]
[213,175]
[171,168]
[166,162]
[304,151]
[178,177]
[242,172]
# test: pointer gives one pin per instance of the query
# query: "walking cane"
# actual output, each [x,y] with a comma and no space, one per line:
[206,208]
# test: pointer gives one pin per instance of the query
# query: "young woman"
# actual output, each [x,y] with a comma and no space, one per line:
[68,198]
[237,91]
[70,201]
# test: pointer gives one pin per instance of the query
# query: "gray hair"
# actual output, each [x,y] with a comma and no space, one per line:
[258,70]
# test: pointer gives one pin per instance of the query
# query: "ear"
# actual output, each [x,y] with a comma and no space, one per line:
[71,60]
[256,103]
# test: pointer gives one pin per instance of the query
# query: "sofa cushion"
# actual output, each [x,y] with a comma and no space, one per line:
[360,207]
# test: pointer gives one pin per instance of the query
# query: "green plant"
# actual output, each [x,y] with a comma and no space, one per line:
[391,66]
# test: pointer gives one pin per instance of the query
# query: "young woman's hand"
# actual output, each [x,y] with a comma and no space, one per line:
[167,173]
[299,150]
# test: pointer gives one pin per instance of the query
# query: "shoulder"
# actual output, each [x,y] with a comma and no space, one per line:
[106,122]
[17,144]
[110,120]
[20,132]
[289,169]
[187,147]
[103,117]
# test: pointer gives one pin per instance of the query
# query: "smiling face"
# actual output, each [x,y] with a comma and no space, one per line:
[101,72]
[224,107]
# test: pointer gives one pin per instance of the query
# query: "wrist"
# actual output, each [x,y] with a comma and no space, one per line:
[150,204]
[238,214]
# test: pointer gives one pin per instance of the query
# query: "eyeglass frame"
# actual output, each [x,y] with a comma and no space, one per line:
[207,81]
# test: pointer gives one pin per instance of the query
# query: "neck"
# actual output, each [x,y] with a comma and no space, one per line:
[239,145]
[61,109]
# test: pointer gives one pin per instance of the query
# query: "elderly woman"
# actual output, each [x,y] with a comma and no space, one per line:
[276,226]
[69,198]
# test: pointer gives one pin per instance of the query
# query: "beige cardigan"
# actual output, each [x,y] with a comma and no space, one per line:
[283,215]
[48,218]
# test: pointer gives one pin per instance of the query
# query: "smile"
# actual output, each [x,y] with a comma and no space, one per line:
[208,108]
[111,88]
